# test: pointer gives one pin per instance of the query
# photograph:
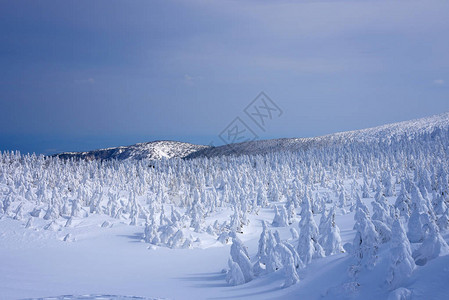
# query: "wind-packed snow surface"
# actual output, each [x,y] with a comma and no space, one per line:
[363,215]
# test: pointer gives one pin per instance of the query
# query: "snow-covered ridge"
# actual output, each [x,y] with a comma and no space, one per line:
[379,133]
[150,150]
[173,149]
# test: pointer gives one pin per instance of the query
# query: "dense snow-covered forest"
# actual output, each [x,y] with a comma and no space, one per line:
[390,194]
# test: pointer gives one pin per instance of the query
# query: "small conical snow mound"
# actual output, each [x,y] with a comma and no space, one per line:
[401,260]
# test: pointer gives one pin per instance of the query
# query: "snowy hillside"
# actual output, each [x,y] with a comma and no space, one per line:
[374,134]
[363,216]
[150,150]
[172,149]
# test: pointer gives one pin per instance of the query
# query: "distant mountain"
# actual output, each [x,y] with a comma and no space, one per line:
[374,134]
[172,149]
[150,150]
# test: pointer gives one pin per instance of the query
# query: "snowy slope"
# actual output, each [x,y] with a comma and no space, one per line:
[150,150]
[192,229]
[114,261]
[374,134]
[173,149]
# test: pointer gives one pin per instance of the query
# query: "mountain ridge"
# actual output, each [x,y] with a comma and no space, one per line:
[372,134]
[175,149]
[148,150]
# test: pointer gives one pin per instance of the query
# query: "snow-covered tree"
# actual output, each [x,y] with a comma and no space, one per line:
[401,260]
[235,274]
[330,235]
[365,244]
[239,255]
[280,216]
[308,245]
[433,245]
[288,263]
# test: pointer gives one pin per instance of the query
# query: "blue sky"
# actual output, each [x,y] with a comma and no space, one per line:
[79,75]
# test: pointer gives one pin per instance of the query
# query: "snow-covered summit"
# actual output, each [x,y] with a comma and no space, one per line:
[150,150]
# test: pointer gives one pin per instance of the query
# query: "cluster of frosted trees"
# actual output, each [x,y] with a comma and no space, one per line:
[176,198]
[388,231]
[415,221]
[273,254]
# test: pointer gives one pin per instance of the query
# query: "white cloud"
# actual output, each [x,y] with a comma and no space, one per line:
[85,81]
[439,82]
[324,65]
[190,80]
